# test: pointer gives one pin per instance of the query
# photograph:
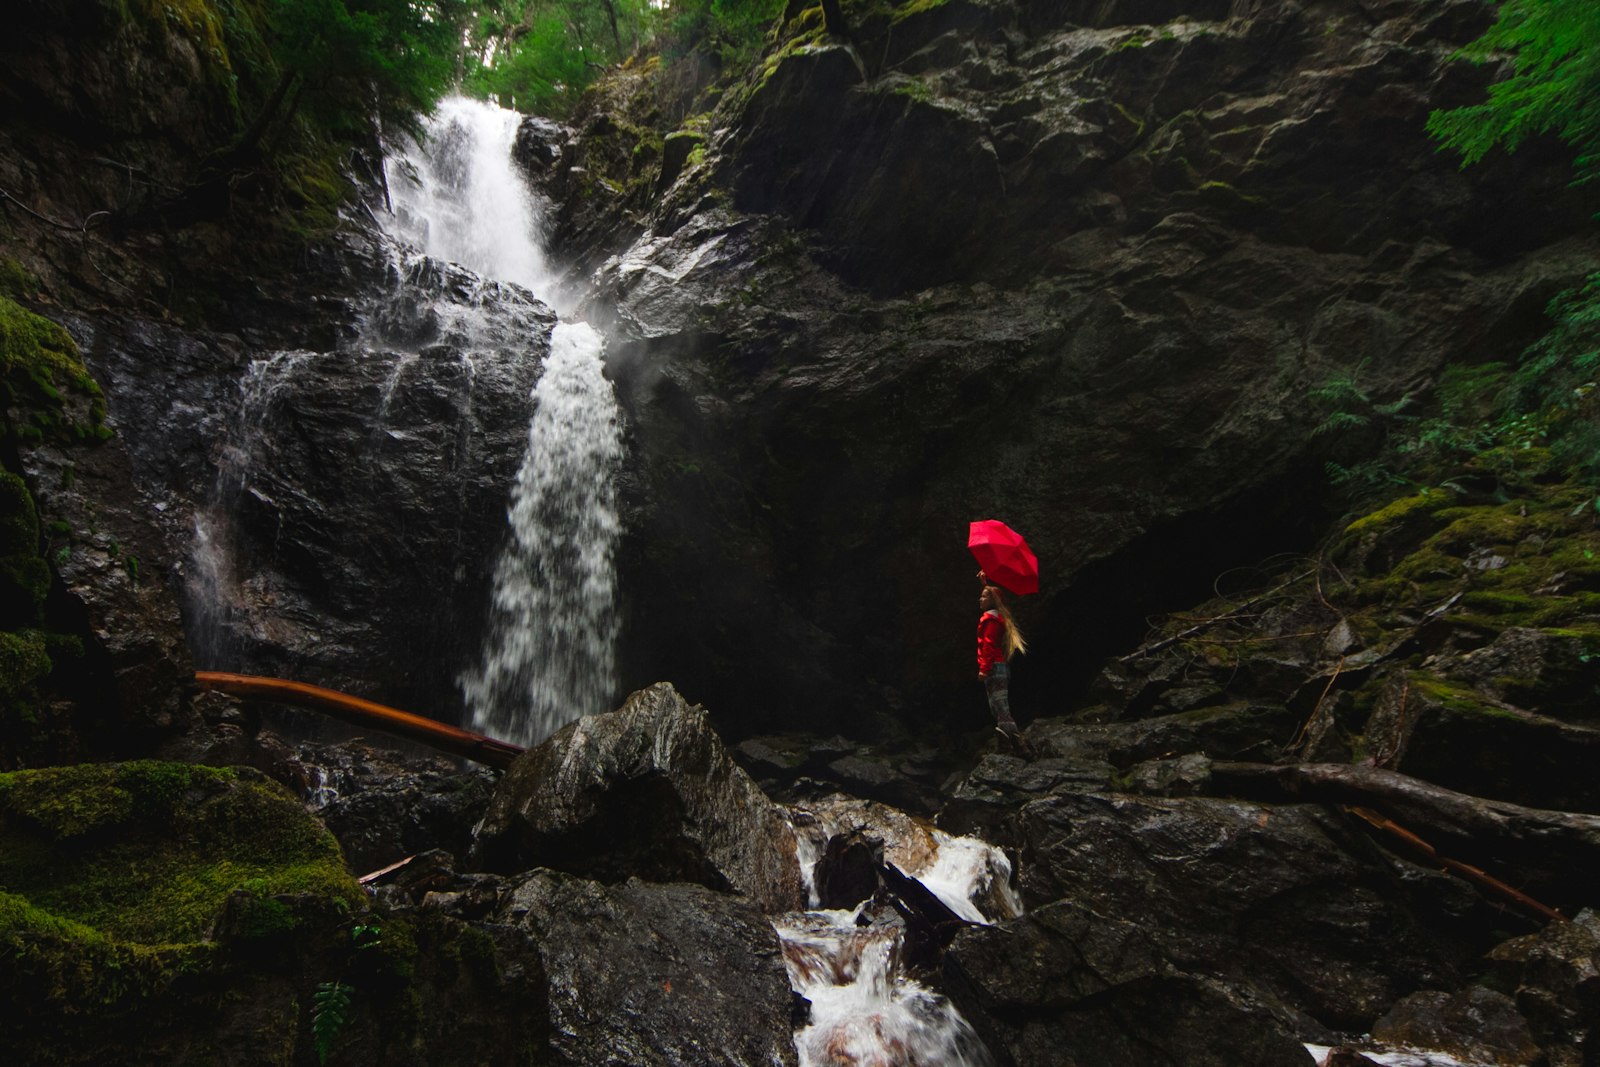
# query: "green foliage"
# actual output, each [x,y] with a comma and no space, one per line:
[353,59]
[330,1009]
[540,55]
[1556,383]
[1554,47]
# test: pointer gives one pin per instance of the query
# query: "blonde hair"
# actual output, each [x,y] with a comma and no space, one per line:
[1015,645]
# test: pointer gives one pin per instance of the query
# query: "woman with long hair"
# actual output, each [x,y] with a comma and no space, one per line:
[998,640]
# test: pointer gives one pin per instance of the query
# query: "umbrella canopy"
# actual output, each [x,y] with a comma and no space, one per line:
[1004,556]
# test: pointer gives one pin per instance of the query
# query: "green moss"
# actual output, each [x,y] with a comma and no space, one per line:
[147,852]
[913,7]
[1227,192]
[24,659]
[916,89]
[1457,698]
[58,961]
[16,281]
[1423,503]
[38,360]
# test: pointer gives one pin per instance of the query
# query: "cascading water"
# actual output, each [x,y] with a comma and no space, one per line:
[549,653]
[459,197]
[867,1009]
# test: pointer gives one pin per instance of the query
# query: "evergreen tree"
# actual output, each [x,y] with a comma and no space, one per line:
[1554,47]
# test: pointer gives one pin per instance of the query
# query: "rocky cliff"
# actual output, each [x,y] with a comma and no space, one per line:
[1073,265]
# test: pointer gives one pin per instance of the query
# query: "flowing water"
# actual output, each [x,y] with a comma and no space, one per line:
[458,198]
[549,654]
[868,1009]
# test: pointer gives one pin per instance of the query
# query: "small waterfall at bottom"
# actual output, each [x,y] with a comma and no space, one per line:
[868,1006]
[549,656]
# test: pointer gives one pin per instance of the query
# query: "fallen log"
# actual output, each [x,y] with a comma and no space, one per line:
[1552,852]
[451,739]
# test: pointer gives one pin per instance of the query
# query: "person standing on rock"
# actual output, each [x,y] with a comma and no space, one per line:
[998,640]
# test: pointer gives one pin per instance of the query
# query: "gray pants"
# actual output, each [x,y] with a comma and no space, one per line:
[998,686]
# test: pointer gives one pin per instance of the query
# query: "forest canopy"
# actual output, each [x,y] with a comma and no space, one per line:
[539,55]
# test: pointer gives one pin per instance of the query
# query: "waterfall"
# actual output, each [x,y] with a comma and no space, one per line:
[549,653]
[459,197]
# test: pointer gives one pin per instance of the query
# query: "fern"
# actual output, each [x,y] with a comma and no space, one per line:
[1554,48]
[330,1008]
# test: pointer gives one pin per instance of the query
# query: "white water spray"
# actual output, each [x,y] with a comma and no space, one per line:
[459,197]
[865,1006]
[549,655]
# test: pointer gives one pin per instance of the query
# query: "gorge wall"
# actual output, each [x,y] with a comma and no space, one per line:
[1075,266]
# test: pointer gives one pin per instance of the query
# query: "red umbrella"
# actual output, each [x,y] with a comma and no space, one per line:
[1004,556]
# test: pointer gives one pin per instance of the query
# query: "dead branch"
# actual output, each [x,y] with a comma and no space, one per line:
[1191,631]
[450,739]
[1472,874]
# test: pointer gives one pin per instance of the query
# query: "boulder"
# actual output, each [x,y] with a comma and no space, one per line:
[1474,1025]
[1554,976]
[654,974]
[1065,985]
[1038,265]
[1282,897]
[646,791]
[383,805]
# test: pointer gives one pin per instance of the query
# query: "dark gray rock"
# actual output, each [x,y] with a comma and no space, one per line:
[654,974]
[383,805]
[1069,270]
[1554,977]
[847,873]
[1064,985]
[1473,1025]
[1280,897]
[646,791]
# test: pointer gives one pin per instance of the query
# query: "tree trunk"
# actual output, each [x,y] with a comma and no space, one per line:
[351,709]
[258,128]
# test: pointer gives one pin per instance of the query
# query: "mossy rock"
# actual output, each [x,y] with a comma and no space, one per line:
[148,852]
[24,575]
[155,912]
[39,364]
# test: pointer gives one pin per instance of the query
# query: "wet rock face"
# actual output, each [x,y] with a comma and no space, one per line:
[1304,922]
[1475,1024]
[1064,985]
[332,492]
[654,974]
[383,806]
[1069,265]
[1556,982]
[646,791]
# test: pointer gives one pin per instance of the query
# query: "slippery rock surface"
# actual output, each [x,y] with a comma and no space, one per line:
[1069,987]
[1074,265]
[383,806]
[320,483]
[654,974]
[1555,977]
[646,791]
[1314,921]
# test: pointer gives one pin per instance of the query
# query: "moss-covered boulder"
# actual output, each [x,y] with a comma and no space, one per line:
[153,911]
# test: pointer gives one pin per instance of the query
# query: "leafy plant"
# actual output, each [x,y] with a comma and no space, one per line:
[330,1009]
[1554,49]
